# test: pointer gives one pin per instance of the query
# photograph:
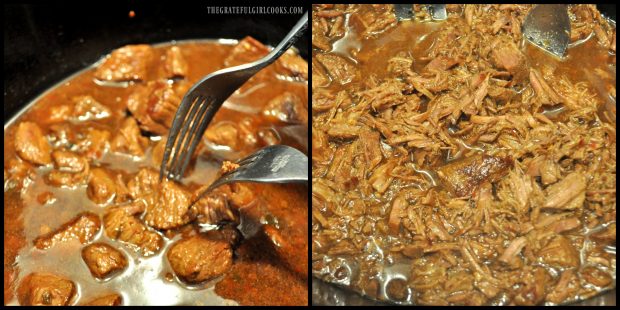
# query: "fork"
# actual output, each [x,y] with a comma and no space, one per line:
[272,164]
[203,100]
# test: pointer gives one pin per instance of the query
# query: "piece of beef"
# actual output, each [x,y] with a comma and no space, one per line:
[107,300]
[319,76]
[239,194]
[291,65]
[596,276]
[559,253]
[214,209]
[440,63]
[143,183]
[567,194]
[83,227]
[506,55]
[86,108]
[169,206]
[224,133]
[339,69]
[606,235]
[71,169]
[288,108]
[121,224]
[44,289]
[371,144]
[101,186]
[463,176]
[154,105]
[103,260]
[127,63]
[247,50]
[545,93]
[175,64]
[95,143]
[129,140]
[343,131]
[200,258]
[31,145]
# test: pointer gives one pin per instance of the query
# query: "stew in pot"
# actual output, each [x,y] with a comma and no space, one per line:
[87,221]
[452,164]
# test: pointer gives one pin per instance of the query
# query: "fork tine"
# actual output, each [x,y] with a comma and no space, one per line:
[185,154]
[249,159]
[177,122]
[204,122]
[181,135]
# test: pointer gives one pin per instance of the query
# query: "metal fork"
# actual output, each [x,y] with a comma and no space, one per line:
[204,99]
[272,164]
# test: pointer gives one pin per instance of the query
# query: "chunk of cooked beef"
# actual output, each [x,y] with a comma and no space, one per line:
[214,209]
[69,161]
[200,258]
[532,291]
[565,287]
[596,276]
[545,93]
[463,176]
[44,289]
[154,106]
[559,253]
[103,260]
[247,50]
[440,63]
[291,65]
[513,249]
[31,145]
[371,144]
[143,183]
[129,140]
[175,64]
[169,207]
[606,235]
[84,227]
[381,177]
[288,108]
[224,133]
[319,76]
[121,224]
[127,63]
[239,194]
[375,19]
[506,55]
[86,108]
[568,194]
[70,169]
[107,300]
[323,100]
[339,69]
[343,131]
[101,186]
[18,174]
[319,39]
[95,143]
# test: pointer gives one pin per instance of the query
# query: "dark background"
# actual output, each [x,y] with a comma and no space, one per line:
[44,44]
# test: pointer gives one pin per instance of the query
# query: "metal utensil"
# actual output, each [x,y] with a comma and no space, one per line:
[206,97]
